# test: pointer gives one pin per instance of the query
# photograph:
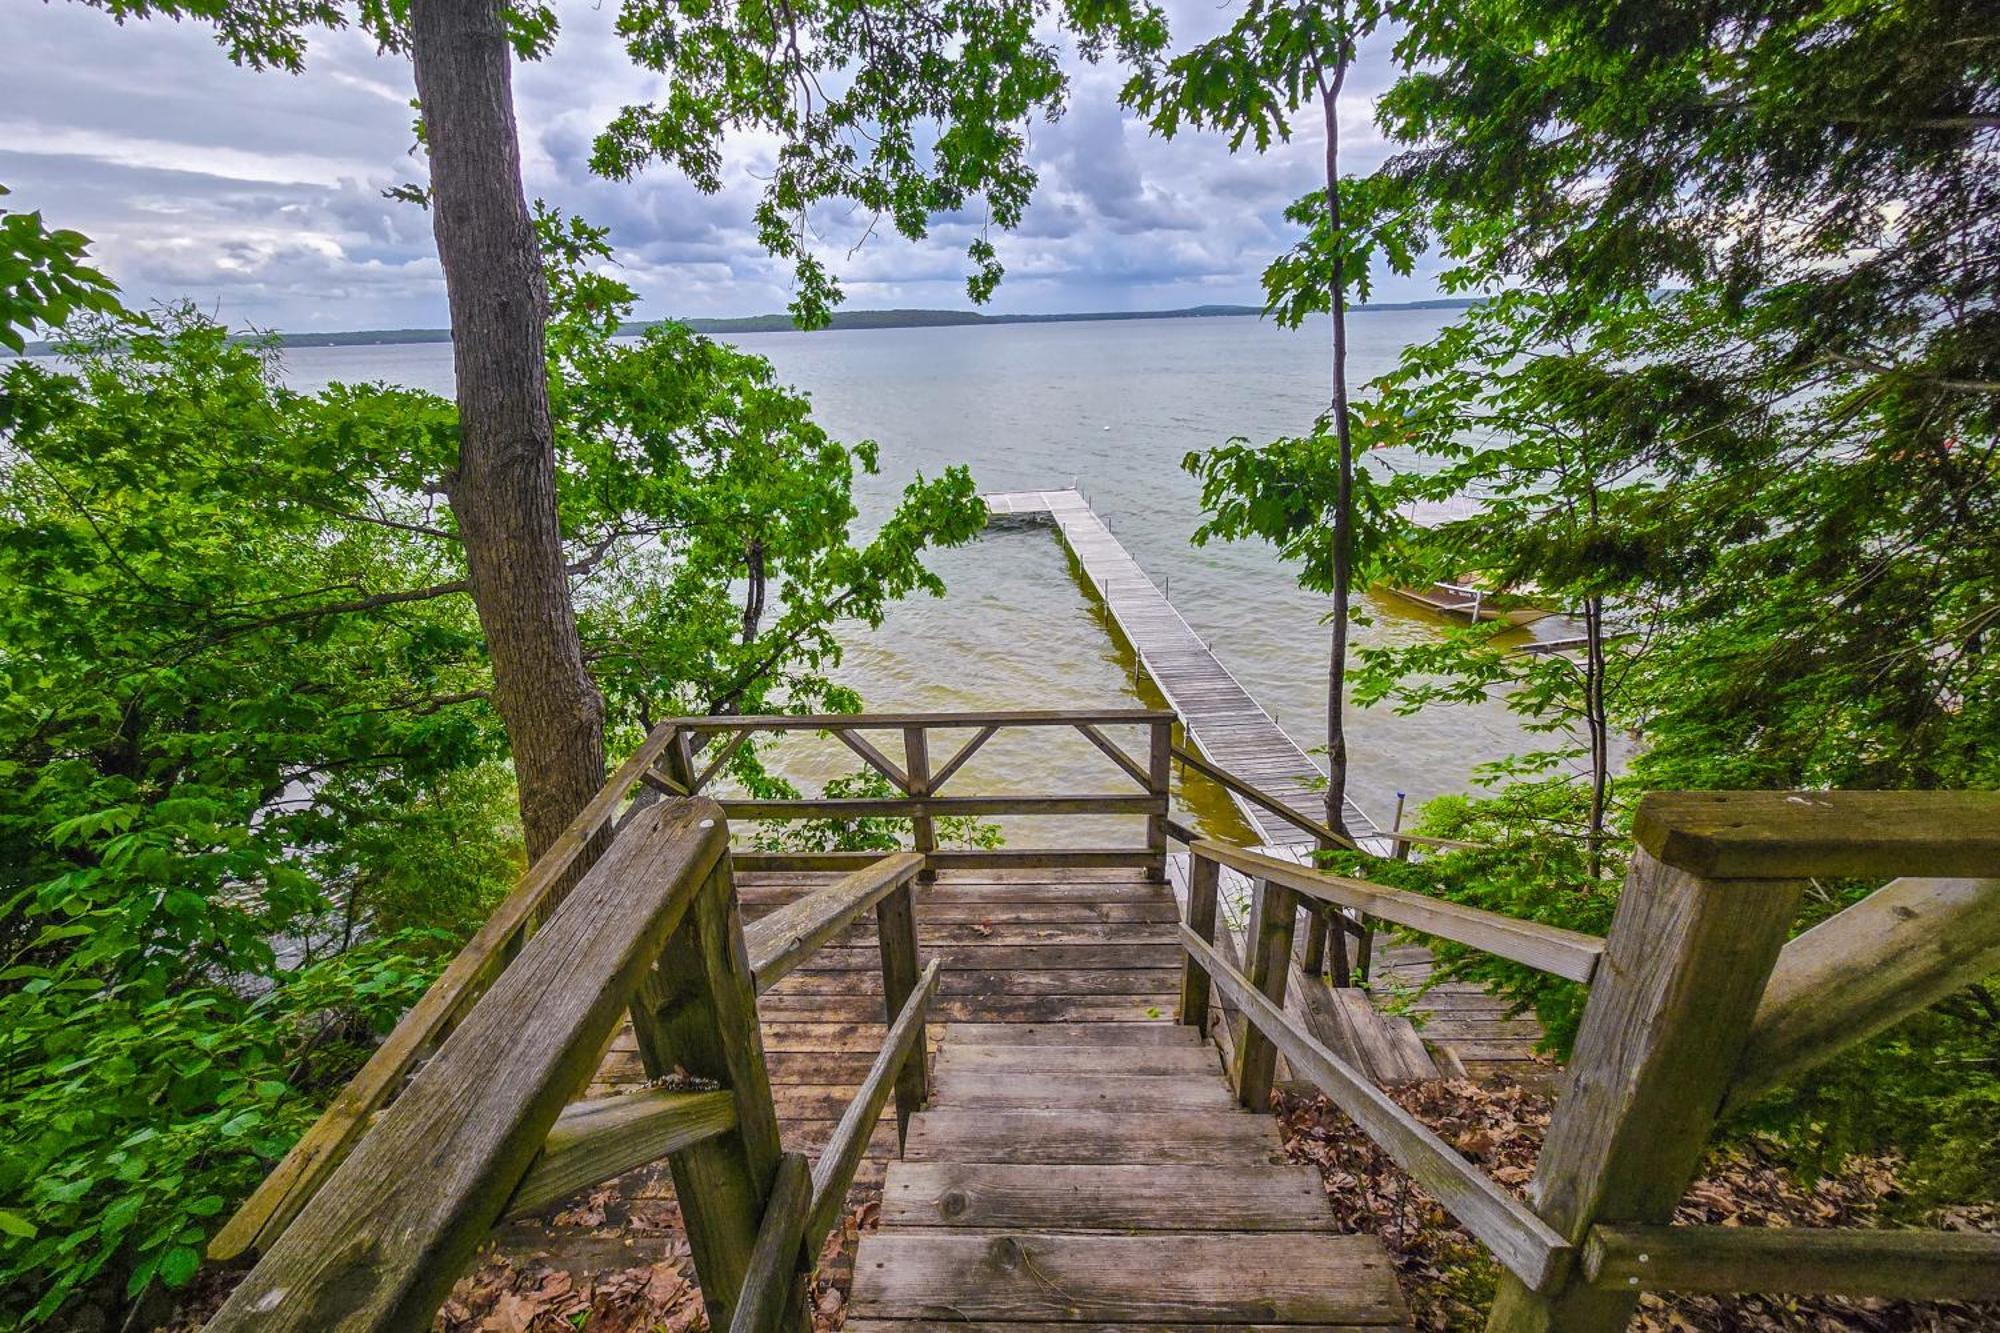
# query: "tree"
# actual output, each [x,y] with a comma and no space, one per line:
[252,783]
[975,74]
[43,279]
[1251,83]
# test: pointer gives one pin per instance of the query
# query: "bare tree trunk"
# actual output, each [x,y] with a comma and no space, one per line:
[1343,517]
[504,490]
[1599,725]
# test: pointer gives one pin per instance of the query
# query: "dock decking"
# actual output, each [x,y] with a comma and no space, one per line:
[1223,722]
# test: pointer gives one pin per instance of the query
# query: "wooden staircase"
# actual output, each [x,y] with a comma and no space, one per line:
[1102,1174]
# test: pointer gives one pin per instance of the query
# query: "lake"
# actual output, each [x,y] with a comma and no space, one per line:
[1114,407]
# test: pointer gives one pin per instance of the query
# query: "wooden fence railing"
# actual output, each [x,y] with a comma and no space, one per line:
[486,1128]
[1697,1004]
[920,784]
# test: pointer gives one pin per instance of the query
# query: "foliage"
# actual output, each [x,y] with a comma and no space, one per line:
[43,279]
[250,784]
[907,112]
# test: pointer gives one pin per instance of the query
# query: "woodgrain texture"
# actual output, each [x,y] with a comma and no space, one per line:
[1832,834]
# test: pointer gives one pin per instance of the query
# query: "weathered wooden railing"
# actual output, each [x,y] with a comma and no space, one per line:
[1697,1004]
[921,799]
[486,1129]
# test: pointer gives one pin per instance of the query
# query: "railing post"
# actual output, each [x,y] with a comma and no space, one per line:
[896,929]
[1274,912]
[1159,773]
[697,1012]
[1204,878]
[1670,1008]
[917,763]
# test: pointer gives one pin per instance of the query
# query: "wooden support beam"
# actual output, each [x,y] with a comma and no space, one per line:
[1897,1265]
[939,807]
[596,1140]
[1116,754]
[774,1285]
[833,1175]
[379,1246]
[965,752]
[1901,949]
[1524,1244]
[697,1013]
[960,858]
[896,932]
[278,1199]
[1822,834]
[779,942]
[917,759]
[1030,717]
[1565,953]
[727,753]
[880,762]
[1204,879]
[1159,774]
[1274,911]
[1669,1013]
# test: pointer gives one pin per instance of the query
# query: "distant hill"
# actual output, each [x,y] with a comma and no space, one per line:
[843,319]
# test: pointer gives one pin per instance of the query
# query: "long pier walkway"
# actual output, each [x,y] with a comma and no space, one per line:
[1469,1031]
[1224,724]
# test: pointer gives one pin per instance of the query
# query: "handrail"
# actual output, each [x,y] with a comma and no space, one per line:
[1029,717]
[787,937]
[1521,1241]
[1565,953]
[770,1281]
[368,1250]
[834,1172]
[1257,796]
[596,1140]
[1832,1261]
[279,1197]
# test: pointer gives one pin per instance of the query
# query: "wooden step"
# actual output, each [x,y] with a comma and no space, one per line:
[1073,1034]
[962,1087]
[1030,1326]
[1192,1138]
[1105,1198]
[1188,1061]
[1265,1277]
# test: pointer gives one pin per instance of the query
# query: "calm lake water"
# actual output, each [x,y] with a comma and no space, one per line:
[1115,407]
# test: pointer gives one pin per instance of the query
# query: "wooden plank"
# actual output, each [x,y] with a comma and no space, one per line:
[1261,798]
[1159,1277]
[1684,965]
[780,941]
[1822,834]
[963,1088]
[971,718]
[1123,1326]
[903,978]
[1117,1036]
[1017,957]
[980,1007]
[958,858]
[1095,1058]
[834,1172]
[723,756]
[595,1140]
[1901,949]
[1156,984]
[773,1288]
[279,1196]
[1520,1240]
[992,1196]
[370,1249]
[1897,1265]
[1192,1138]
[1116,754]
[920,807]
[1563,953]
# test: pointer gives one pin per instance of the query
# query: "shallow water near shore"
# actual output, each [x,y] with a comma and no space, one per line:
[1114,408]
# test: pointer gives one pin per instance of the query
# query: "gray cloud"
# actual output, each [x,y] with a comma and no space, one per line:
[260,195]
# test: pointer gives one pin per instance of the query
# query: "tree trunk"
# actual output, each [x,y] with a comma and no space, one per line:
[1595,715]
[1343,501]
[504,490]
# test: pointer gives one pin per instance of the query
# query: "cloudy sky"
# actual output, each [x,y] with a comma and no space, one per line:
[260,195]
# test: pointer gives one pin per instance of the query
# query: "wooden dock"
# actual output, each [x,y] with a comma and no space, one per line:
[1223,722]
[1469,1031]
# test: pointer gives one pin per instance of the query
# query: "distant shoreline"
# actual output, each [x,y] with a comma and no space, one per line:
[843,319]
